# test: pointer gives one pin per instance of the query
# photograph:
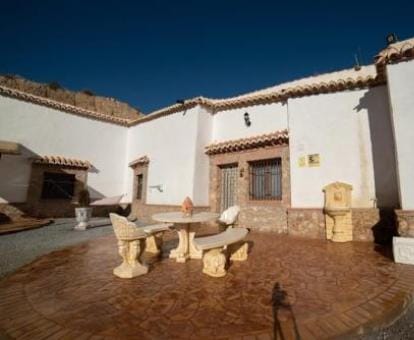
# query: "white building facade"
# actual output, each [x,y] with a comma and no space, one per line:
[271,151]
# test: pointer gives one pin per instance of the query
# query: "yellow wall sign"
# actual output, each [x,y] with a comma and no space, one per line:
[302,162]
[314,160]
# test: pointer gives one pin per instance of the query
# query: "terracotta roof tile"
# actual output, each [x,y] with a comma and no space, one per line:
[401,50]
[62,161]
[366,76]
[275,138]
[331,82]
[9,92]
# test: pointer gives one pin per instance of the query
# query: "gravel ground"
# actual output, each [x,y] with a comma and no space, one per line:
[23,247]
[402,329]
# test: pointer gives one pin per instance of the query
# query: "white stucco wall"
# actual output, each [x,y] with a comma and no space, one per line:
[229,124]
[202,161]
[401,91]
[47,132]
[336,126]
[350,130]
[172,146]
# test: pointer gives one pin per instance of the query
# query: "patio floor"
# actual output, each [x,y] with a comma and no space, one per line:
[288,287]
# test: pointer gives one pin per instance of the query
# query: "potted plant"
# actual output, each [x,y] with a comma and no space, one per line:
[84,211]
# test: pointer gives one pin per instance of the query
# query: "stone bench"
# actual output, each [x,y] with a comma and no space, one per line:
[214,260]
[153,243]
[132,243]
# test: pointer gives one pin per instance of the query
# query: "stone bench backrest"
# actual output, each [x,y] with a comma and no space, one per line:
[125,230]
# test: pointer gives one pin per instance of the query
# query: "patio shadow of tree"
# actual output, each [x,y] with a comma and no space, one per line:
[283,313]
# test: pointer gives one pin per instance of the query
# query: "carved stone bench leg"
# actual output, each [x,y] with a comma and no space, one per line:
[238,251]
[153,244]
[214,263]
[130,252]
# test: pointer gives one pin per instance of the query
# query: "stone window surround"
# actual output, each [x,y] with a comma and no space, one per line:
[140,169]
[242,159]
[34,194]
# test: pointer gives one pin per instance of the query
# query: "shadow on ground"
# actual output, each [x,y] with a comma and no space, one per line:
[284,321]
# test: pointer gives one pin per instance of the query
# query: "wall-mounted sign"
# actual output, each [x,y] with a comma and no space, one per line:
[314,160]
[302,161]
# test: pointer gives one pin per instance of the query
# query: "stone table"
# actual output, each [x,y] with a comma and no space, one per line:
[186,226]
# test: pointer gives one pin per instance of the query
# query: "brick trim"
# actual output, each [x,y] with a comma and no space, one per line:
[271,139]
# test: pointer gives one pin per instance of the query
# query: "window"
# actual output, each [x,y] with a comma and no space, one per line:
[266,179]
[58,185]
[140,186]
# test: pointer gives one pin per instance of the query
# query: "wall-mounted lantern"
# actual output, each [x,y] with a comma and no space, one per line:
[241,172]
[247,119]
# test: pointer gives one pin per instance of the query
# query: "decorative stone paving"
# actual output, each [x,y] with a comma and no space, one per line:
[288,287]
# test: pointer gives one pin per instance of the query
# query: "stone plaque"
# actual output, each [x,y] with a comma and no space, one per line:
[403,249]
[314,160]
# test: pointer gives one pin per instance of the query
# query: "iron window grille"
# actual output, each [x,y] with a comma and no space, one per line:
[265,179]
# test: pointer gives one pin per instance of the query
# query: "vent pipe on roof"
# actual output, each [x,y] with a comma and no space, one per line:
[357,65]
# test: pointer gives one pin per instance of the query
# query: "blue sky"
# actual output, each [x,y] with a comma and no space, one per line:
[152,53]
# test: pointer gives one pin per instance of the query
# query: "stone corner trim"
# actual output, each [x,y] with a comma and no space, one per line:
[62,161]
[275,138]
[405,221]
[9,148]
[139,161]
[31,98]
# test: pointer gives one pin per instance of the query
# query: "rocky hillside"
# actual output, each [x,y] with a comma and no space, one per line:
[84,99]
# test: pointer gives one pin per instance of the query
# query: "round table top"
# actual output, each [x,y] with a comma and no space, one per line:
[177,217]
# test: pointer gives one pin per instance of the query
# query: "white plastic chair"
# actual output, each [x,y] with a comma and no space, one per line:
[229,217]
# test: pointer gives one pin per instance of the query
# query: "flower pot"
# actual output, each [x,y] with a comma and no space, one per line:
[83,215]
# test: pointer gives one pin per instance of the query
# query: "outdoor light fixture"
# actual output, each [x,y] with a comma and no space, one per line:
[247,119]
[241,172]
